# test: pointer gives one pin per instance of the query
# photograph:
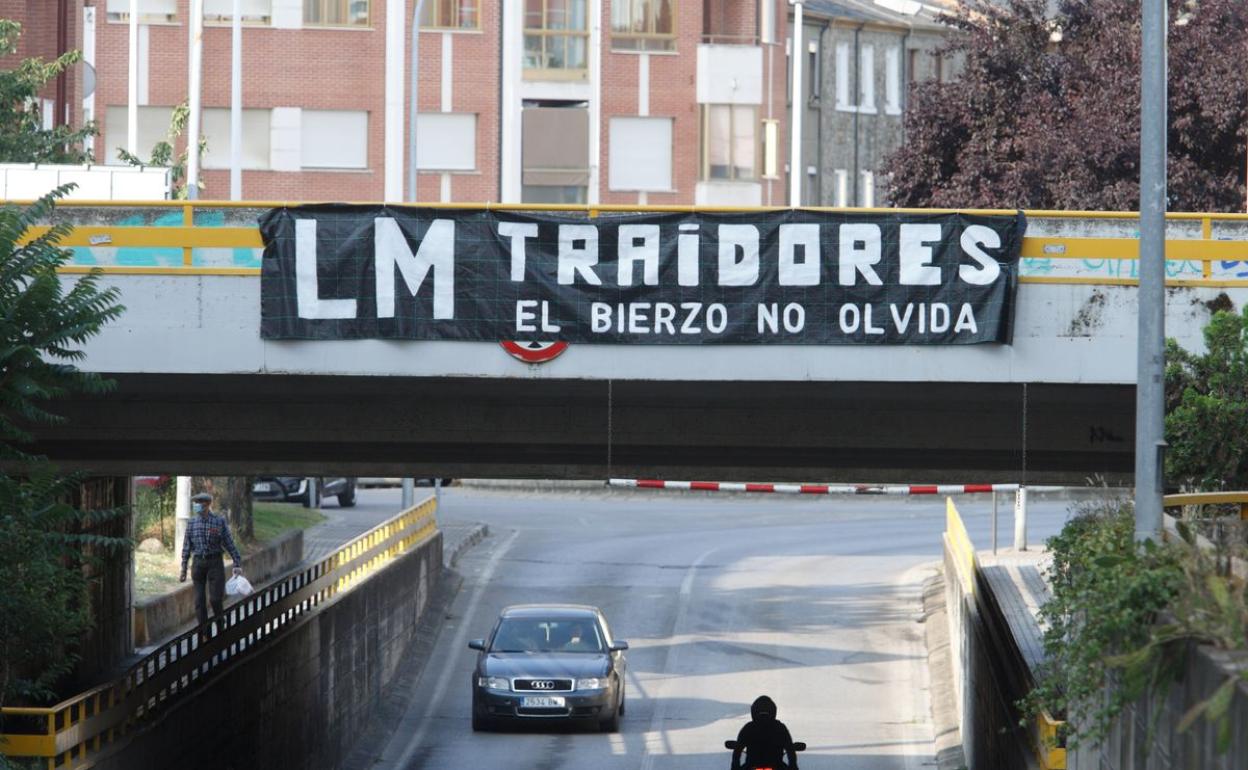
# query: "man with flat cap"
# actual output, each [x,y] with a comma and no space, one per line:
[207,538]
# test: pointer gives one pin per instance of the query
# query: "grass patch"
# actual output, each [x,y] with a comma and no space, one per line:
[272,519]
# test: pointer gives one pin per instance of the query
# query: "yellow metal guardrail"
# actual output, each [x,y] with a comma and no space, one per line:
[1045,730]
[1206,251]
[1209,498]
[69,733]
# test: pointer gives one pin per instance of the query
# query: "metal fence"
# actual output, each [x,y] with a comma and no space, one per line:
[1072,247]
[67,734]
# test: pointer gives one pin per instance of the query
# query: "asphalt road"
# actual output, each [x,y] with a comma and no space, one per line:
[813,601]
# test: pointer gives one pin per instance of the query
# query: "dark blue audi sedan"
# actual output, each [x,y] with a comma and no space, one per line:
[556,662]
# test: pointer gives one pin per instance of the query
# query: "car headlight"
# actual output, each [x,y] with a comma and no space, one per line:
[494,683]
[593,683]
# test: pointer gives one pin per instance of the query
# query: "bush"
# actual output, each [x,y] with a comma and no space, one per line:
[1123,617]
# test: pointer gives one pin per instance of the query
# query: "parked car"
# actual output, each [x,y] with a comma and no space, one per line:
[378,481]
[549,662]
[295,489]
[430,482]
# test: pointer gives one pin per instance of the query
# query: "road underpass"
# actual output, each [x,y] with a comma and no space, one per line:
[814,602]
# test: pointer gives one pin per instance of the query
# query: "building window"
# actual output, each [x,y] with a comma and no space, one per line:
[253,11]
[842,188]
[153,128]
[842,78]
[447,141]
[867,194]
[150,11]
[333,139]
[729,142]
[256,133]
[640,154]
[771,149]
[554,152]
[813,79]
[643,25]
[335,13]
[451,14]
[892,81]
[866,79]
[556,36]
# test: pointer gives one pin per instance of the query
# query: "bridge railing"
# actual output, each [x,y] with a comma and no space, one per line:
[71,732]
[1209,498]
[222,238]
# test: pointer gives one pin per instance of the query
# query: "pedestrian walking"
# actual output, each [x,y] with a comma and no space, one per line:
[206,541]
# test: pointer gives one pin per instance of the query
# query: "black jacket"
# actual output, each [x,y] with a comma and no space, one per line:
[764,739]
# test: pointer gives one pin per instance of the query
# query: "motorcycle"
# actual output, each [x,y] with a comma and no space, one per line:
[732,746]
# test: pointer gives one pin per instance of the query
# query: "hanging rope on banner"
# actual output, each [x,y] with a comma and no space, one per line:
[1023,475]
[610,424]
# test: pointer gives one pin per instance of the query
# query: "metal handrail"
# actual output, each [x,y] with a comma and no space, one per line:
[1209,498]
[86,723]
[188,236]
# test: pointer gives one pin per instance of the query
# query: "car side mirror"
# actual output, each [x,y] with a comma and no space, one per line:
[619,646]
[477,644]
[799,746]
[730,745]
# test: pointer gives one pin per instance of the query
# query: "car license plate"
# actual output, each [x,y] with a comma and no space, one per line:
[263,486]
[542,702]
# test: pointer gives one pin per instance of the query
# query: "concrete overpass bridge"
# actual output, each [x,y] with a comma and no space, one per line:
[199,390]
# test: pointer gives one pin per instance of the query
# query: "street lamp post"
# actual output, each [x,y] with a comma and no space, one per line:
[795,135]
[1149,399]
[415,108]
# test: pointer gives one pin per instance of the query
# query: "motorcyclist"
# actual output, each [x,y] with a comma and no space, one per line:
[764,739]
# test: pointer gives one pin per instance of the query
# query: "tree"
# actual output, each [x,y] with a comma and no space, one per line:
[44,541]
[1046,112]
[22,136]
[162,153]
[1207,407]
[231,498]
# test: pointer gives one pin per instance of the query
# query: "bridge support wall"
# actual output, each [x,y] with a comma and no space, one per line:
[986,689]
[299,703]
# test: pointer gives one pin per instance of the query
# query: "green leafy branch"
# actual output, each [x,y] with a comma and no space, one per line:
[23,139]
[162,154]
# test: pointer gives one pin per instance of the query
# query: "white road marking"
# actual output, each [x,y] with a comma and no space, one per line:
[444,680]
[670,664]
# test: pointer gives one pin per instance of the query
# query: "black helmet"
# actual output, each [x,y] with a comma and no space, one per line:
[763,709]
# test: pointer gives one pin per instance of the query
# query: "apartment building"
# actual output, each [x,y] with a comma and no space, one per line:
[860,60]
[543,101]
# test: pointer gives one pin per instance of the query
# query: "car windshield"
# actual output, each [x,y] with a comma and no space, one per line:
[555,635]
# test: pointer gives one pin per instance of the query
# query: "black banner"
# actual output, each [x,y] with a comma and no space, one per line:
[775,277]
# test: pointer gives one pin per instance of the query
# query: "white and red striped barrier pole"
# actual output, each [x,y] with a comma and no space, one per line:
[823,489]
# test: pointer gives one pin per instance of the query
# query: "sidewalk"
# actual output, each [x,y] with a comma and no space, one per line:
[1018,585]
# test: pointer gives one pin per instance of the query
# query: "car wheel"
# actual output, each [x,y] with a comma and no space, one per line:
[612,723]
[310,500]
[347,498]
[481,724]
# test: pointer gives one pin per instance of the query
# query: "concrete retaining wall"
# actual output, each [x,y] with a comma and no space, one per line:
[1134,744]
[991,736]
[159,618]
[990,677]
[299,703]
